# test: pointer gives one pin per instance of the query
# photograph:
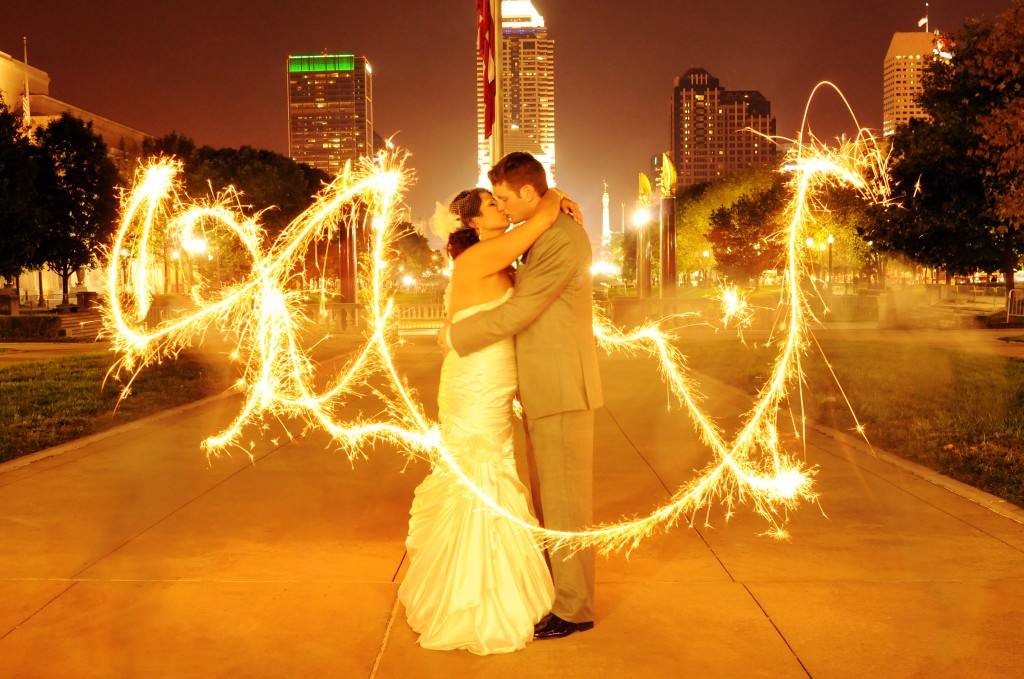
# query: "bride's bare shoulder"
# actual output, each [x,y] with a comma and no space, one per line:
[470,291]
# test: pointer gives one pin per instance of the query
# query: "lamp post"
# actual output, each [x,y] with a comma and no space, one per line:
[641,217]
[667,226]
[830,241]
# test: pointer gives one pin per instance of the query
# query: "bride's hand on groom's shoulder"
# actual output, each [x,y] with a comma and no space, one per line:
[571,208]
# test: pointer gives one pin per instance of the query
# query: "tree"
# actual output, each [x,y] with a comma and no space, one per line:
[695,206]
[842,213]
[412,253]
[173,145]
[79,181]
[961,171]
[267,182]
[741,235]
[19,211]
[997,67]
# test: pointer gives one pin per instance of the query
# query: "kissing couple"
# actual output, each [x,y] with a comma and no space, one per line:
[476,580]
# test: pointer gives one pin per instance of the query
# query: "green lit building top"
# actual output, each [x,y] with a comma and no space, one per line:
[330,109]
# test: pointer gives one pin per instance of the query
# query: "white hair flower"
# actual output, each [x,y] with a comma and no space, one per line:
[443,222]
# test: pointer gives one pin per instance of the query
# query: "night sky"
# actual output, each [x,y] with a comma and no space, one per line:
[215,70]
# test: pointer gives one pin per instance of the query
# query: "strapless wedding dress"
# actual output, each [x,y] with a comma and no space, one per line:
[476,581]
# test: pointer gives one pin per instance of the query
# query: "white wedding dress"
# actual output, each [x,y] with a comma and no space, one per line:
[476,580]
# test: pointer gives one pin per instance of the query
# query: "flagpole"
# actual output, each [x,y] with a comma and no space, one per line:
[498,129]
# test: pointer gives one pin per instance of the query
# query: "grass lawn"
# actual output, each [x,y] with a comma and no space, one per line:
[959,413]
[45,403]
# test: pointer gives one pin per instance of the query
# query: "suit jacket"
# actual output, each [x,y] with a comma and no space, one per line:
[551,317]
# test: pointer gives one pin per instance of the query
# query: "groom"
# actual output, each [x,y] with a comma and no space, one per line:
[550,316]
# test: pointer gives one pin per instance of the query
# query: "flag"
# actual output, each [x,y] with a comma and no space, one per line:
[485,47]
[26,112]
[922,22]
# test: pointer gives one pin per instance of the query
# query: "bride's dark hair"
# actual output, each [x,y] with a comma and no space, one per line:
[465,206]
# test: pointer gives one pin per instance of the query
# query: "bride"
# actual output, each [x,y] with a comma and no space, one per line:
[476,580]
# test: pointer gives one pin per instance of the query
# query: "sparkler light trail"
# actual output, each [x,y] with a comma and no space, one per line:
[264,320]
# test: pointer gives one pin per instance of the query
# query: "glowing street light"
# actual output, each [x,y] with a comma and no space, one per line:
[641,218]
[195,245]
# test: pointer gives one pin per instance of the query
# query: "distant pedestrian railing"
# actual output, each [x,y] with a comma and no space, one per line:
[990,295]
[1015,304]
[420,316]
[352,317]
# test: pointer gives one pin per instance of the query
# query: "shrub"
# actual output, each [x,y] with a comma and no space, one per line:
[29,327]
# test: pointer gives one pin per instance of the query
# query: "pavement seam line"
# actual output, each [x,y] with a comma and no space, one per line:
[928,478]
[777,630]
[74,583]
[690,524]
[401,561]
[384,639]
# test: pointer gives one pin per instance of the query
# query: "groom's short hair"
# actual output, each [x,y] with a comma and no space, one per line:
[518,169]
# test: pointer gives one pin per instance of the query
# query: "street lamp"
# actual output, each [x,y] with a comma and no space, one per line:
[641,217]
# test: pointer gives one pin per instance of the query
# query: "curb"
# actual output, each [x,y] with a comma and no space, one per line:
[975,495]
[32,458]
[62,448]
[979,497]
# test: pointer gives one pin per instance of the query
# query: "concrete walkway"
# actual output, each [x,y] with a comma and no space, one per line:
[130,556]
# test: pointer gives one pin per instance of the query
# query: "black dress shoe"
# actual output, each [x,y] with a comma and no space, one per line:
[553,627]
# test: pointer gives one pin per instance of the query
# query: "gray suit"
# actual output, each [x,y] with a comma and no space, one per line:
[550,315]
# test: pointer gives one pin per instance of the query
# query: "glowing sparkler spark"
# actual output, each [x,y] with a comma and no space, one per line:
[264,319]
[735,309]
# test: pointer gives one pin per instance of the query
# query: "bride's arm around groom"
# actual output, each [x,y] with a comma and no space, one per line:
[550,315]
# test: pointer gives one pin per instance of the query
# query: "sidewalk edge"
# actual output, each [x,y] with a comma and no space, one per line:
[975,495]
[32,458]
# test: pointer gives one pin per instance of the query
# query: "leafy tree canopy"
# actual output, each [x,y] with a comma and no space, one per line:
[695,206]
[19,203]
[742,235]
[79,181]
[961,171]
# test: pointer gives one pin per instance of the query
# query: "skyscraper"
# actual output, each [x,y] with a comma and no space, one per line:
[330,109]
[527,88]
[711,129]
[902,71]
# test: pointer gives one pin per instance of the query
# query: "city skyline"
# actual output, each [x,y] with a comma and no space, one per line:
[528,63]
[218,69]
